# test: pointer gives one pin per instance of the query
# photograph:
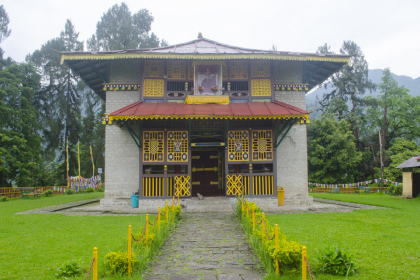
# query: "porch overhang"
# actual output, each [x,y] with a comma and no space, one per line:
[246,110]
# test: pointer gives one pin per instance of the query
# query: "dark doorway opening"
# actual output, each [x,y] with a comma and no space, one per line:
[416,184]
[205,169]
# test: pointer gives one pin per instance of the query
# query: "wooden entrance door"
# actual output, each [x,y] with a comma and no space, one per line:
[204,172]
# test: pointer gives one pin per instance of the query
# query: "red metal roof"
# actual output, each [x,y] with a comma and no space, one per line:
[233,109]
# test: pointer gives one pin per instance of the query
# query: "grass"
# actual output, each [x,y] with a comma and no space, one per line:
[385,242]
[33,246]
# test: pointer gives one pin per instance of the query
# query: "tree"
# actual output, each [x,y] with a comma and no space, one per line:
[332,154]
[4,33]
[394,112]
[59,100]
[4,24]
[20,146]
[118,29]
[400,151]
[324,49]
[350,83]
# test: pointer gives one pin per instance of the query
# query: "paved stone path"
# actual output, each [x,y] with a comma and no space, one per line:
[207,246]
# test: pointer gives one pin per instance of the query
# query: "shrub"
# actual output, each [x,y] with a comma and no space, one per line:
[289,253]
[89,190]
[100,190]
[395,190]
[117,263]
[336,261]
[47,193]
[4,199]
[70,191]
[69,269]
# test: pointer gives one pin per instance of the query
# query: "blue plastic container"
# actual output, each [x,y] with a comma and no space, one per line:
[135,201]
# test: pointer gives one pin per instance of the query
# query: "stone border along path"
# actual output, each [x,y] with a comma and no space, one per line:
[59,208]
[91,207]
[207,246]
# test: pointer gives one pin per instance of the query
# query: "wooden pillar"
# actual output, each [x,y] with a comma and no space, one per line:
[251,180]
[165,180]
[189,170]
[226,169]
[140,172]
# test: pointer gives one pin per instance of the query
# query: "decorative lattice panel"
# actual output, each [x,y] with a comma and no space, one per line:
[224,73]
[190,71]
[153,87]
[262,145]
[261,87]
[176,70]
[153,146]
[153,68]
[239,69]
[260,68]
[177,143]
[238,145]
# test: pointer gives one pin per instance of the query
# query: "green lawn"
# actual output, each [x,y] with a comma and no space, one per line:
[33,246]
[385,242]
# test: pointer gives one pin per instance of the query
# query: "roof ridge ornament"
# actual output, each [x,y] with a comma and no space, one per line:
[200,35]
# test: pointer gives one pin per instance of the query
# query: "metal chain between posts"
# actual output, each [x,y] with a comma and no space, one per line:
[154,222]
[266,231]
[257,220]
[309,269]
[144,231]
[90,269]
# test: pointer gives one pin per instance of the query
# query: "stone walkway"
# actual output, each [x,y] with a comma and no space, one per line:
[207,246]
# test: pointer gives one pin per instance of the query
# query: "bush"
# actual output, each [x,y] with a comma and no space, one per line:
[336,261]
[69,269]
[70,191]
[89,190]
[395,190]
[289,253]
[117,263]
[47,193]
[4,199]
[100,190]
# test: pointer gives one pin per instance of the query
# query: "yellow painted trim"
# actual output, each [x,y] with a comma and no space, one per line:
[224,100]
[209,62]
[201,56]
[146,117]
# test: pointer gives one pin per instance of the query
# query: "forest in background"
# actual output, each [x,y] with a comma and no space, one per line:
[42,103]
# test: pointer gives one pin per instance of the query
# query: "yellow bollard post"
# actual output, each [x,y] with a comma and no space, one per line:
[242,207]
[173,202]
[95,264]
[303,263]
[129,250]
[247,206]
[277,248]
[262,226]
[178,199]
[147,228]
[167,212]
[253,218]
[159,219]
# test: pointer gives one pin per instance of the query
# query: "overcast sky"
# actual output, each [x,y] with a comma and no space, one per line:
[388,32]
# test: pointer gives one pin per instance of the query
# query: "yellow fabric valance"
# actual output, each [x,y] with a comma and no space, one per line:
[209,62]
[191,99]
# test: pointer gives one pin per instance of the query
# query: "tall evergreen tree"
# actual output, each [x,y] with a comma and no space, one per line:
[20,147]
[350,83]
[59,100]
[118,29]
[4,33]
